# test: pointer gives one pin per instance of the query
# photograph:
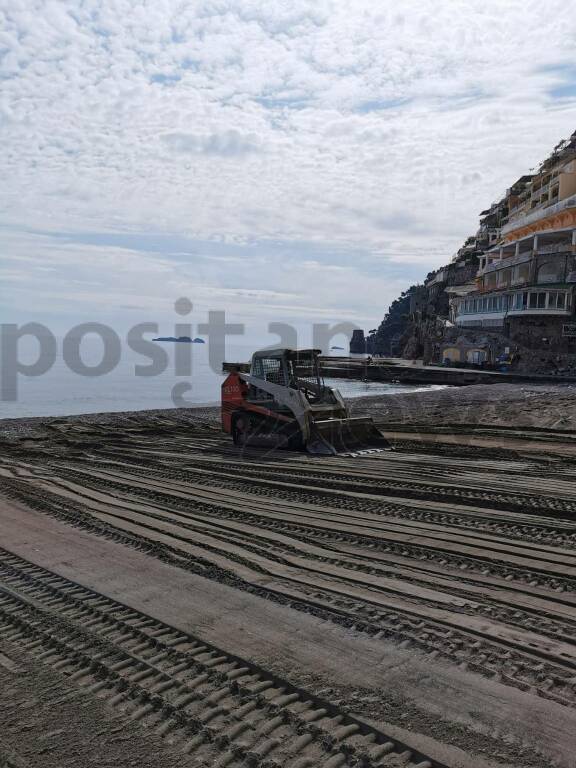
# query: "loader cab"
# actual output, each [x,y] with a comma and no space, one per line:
[294,368]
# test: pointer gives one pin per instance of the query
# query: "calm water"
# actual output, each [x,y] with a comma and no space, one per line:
[61,392]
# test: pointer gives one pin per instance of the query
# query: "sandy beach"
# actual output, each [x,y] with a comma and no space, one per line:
[201,605]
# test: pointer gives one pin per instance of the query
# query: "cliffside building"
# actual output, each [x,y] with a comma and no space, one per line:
[510,290]
[524,286]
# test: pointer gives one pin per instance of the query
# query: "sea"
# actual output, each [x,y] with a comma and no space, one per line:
[61,391]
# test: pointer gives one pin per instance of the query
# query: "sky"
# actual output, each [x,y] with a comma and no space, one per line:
[282,160]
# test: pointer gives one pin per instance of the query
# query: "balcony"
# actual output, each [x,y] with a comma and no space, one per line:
[541,213]
[508,261]
[538,311]
[524,256]
[539,191]
[556,248]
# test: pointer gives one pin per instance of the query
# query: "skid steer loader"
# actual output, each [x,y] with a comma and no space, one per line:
[283,402]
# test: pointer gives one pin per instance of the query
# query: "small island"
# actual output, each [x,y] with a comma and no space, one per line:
[181,339]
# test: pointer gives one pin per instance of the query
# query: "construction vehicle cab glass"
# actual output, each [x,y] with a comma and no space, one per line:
[298,369]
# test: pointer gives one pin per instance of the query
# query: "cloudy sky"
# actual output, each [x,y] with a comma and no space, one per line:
[286,160]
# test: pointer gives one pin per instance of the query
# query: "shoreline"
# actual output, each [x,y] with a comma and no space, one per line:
[385,388]
[537,406]
[209,408]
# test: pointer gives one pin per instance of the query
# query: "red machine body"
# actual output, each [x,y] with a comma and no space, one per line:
[234,392]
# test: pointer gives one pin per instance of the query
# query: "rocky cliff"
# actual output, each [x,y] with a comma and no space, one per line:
[418,319]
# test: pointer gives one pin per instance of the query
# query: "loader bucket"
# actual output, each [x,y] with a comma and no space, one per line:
[337,436]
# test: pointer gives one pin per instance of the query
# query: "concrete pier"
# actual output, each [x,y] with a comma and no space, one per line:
[399,371]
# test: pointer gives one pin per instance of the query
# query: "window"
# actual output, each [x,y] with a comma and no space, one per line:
[269,369]
[556,300]
[537,300]
[521,273]
[476,356]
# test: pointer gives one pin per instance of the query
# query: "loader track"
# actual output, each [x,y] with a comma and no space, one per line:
[461,556]
[550,675]
[422,492]
[539,576]
[537,529]
[220,710]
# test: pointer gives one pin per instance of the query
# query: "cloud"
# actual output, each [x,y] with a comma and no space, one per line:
[564,85]
[88,277]
[252,138]
[165,79]
[226,144]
